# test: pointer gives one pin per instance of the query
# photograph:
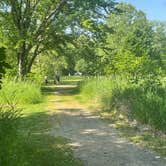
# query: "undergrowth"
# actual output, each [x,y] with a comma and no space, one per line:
[146,98]
[24,125]
[21,92]
[136,107]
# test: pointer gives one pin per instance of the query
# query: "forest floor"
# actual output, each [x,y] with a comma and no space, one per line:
[94,141]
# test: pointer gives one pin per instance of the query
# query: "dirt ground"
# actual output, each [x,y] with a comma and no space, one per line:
[94,141]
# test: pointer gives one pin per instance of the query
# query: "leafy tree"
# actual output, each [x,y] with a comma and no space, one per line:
[81,66]
[48,63]
[28,24]
[130,48]
[159,42]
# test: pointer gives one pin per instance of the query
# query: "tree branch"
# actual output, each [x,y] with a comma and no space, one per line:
[47,20]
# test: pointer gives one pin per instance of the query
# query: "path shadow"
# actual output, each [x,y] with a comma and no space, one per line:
[48,89]
[65,88]
[70,82]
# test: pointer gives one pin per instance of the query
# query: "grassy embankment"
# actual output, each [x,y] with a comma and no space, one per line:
[137,109]
[25,119]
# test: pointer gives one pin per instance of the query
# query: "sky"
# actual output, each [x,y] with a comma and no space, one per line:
[154,9]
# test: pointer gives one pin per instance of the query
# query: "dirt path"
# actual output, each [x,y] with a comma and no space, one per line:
[94,141]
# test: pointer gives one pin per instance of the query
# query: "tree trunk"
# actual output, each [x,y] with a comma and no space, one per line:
[21,66]
[24,64]
[35,54]
[22,60]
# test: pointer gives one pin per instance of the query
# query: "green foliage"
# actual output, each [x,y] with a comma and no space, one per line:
[31,29]
[43,149]
[85,55]
[126,43]
[132,47]
[48,65]
[3,64]
[146,98]
[9,115]
[105,90]
[23,140]
[148,101]
[22,92]
[81,66]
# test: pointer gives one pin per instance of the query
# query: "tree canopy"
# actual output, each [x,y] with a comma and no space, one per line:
[99,36]
[32,27]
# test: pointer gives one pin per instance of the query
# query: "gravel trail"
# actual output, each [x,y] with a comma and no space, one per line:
[94,141]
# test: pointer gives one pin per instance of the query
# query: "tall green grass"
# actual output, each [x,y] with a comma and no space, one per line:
[24,140]
[12,94]
[148,102]
[21,92]
[104,90]
[146,97]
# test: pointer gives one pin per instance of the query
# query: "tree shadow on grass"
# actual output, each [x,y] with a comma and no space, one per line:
[70,82]
[65,87]
[66,90]
[45,150]
[60,90]
[34,146]
[48,90]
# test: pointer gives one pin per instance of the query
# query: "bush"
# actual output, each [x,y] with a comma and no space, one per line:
[22,92]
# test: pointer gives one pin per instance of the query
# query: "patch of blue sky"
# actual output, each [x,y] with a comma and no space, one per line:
[154,9]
